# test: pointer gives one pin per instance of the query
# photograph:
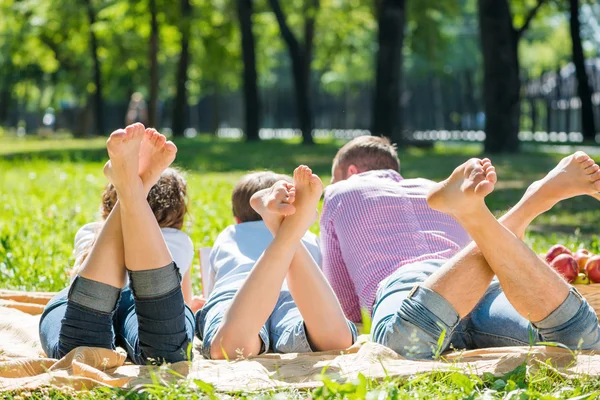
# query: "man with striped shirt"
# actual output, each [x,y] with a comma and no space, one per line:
[386,251]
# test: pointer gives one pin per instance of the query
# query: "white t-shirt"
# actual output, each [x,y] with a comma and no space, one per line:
[238,247]
[179,244]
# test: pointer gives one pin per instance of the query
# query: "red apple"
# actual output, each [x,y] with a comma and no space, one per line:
[555,251]
[592,269]
[566,265]
[582,256]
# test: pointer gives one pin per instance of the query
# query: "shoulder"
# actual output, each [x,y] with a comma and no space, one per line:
[174,238]
[88,231]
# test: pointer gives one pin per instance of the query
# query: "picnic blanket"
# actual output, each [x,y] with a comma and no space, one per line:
[23,365]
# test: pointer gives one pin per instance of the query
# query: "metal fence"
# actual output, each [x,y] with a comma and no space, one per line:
[430,102]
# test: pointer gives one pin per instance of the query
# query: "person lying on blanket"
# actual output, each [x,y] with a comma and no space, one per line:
[150,318]
[270,294]
[456,303]
[238,247]
[168,201]
[456,300]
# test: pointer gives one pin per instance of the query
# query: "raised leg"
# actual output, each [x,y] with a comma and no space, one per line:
[513,262]
[323,318]
[155,280]
[453,289]
[86,312]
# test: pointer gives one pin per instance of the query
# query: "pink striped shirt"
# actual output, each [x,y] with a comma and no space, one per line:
[374,223]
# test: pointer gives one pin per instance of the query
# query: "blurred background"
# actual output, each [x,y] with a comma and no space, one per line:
[501,72]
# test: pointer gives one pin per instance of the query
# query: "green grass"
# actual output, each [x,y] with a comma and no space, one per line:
[49,188]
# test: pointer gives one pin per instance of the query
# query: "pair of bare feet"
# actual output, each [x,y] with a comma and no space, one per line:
[462,194]
[283,199]
[138,156]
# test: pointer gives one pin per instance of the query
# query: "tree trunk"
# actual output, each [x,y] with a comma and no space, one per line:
[501,86]
[588,127]
[251,99]
[5,102]
[386,100]
[300,57]
[180,105]
[153,102]
[98,101]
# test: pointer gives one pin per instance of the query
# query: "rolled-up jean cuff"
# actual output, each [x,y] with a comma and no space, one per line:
[154,282]
[94,295]
[265,345]
[436,304]
[563,313]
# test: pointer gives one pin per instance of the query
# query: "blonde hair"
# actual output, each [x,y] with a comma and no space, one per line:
[367,153]
[246,187]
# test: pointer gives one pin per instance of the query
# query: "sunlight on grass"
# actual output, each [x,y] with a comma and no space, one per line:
[49,188]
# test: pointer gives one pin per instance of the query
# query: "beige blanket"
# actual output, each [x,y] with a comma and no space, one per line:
[23,365]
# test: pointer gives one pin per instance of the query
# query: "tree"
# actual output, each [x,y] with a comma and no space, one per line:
[588,126]
[386,104]
[301,57]
[153,55]
[98,101]
[180,104]
[251,99]
[501,84]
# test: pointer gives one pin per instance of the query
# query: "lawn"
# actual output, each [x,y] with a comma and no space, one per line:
[49,188]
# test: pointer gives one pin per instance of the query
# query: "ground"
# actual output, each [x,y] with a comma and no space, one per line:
[50,187]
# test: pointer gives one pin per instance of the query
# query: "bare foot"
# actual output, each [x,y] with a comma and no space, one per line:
[574,175]
[465,190]
[274,203]
[156,155]
[123,147]
[309,189]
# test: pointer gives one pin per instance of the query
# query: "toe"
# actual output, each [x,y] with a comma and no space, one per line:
[594,177]
[117,135]
[491,175]
[170,147]
[484,188]
[297,172]
[580,156]
[587,163]
[592,169]
[161,140]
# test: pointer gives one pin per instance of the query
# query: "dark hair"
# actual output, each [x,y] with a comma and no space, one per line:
[246,187]
[167,199]
[367,153]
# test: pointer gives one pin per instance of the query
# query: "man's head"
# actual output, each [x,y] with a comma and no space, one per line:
[362,154]
[246,187]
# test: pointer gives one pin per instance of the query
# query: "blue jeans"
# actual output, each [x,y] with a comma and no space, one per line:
[284,331]
[411,319]
[156,328]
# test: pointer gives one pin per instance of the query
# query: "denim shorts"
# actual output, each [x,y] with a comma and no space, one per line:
[411,319]
[284,331]
[156,329]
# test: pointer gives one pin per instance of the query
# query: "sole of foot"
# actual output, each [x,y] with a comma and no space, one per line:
[465,189]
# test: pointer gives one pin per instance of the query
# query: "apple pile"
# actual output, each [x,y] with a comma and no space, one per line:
[581,267]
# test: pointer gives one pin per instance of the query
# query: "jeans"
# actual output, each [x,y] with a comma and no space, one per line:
[149,320]
[284,331]
[418,323]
